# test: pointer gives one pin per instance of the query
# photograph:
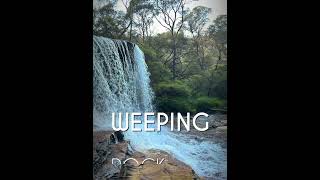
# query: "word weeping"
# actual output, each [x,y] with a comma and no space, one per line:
[156,123]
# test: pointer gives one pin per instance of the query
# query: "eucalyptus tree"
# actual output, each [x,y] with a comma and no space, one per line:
[218,33]
[170,14]
[196,21]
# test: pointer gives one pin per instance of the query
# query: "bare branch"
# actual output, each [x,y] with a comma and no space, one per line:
[166,14]
[125,4]
[125,29]
[162,24]
[182,20]
[168,58]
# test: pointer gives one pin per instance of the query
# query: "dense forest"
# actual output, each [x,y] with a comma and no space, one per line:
[188,62]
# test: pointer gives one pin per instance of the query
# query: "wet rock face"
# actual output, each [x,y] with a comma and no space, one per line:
[104,149]
[170,168]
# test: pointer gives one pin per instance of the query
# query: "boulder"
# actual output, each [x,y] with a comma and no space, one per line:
[170,168]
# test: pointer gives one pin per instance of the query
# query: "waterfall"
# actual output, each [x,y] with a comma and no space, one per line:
[121,84]
[120,80]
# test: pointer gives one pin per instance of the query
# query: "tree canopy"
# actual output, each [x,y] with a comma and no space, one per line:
[188,62]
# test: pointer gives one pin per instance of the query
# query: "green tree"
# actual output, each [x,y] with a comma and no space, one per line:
[144,11]
[196,21]
[107,21]
[170,14]
[218,33]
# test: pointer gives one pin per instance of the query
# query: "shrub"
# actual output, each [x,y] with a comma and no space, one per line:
[176,97]
[174,89]
[149,53]
[172,104]
[173,97]
[159,73]
[205,104]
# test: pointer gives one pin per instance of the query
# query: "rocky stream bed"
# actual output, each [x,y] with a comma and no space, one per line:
[108,145]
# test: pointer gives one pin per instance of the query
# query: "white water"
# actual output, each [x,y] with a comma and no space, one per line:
[121,84]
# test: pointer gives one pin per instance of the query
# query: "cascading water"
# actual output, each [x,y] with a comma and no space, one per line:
[121,84]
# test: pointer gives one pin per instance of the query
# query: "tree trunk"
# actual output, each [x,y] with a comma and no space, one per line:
[219,59]
[174,60]
[130,33]
[143,29]
[200,60]
[131,23]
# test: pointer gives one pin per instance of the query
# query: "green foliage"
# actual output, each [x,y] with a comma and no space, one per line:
[149,53]
[108,22]
[200,50]
[205,104]
[218,30]
[211,83]
[159,73]
[174,97]
[197,19]
[174,104]
[173,89]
